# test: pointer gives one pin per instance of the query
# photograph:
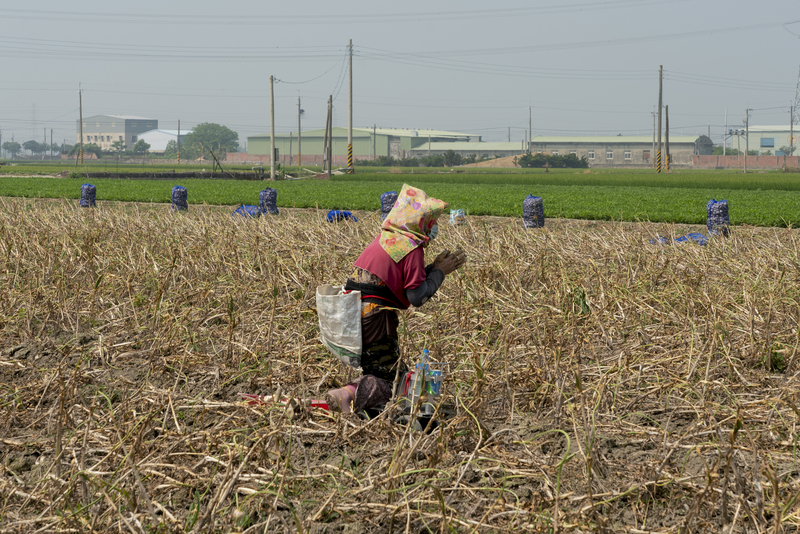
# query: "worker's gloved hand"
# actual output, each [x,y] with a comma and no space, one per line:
[450,261]
[339,400]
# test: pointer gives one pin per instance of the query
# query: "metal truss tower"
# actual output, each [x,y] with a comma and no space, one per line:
[796,106]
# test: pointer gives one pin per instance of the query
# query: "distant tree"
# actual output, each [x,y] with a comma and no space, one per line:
[716,150]
[432,161]
[34,147]
[13,147]
[141,147]
[546,160]
[451,158]
[767,153]
[788,151]
[171,151]
[752,152]
[118,146]
[210,136]
[90,148]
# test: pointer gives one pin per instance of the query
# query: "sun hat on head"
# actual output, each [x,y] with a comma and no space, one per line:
[409,224]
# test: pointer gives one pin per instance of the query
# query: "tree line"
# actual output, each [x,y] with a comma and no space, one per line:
[204,139]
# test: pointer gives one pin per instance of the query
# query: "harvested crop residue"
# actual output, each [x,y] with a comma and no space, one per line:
[599,382]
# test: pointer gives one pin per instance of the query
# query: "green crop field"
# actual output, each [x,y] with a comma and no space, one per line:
[762,200]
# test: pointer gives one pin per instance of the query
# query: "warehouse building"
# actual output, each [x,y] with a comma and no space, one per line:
[623,151]
[158,139]
[104,130]
[767,140]
[367,143]
[480,150]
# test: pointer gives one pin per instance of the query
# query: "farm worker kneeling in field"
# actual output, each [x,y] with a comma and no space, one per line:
[391,275]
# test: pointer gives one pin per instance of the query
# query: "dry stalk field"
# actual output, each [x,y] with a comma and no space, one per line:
[597,382]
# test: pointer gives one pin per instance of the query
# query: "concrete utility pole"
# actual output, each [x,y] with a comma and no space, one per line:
[724,133]
[179,141]
[660,85]
[350,169]
[791,130]
[374,144]
[80,118]
[51,142]
[746,137]
[666,112]
[330,135]
[271,130]
[291,135]
[299,152]
[653,156]
[530,132]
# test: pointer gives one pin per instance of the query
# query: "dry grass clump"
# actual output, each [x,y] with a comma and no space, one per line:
[599,382]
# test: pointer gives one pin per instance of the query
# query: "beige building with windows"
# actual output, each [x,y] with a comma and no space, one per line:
[104,130]
[623,151]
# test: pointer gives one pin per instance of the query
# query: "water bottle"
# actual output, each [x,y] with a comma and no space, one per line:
[419,377]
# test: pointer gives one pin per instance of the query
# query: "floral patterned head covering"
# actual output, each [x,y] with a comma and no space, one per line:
[408,224]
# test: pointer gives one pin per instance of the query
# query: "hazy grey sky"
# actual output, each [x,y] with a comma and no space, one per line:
[585,66]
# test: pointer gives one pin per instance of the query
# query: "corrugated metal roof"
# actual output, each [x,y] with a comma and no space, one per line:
[467,146]
[760,129]
[120,117]
[364,132]
[611,139]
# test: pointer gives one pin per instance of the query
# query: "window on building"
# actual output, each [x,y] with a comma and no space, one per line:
[609,154]
[591,154]
[485,155]
[149,125]
[555,152]
[767,142]
[501,155]
[113,124]
[627,154]
[133,125]
[573,153]
[120,138]
[646,155]
[133,139]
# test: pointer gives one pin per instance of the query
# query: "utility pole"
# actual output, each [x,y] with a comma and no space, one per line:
[509,134]
[330,135]
[179,141]
[725,143]
[791,130]
[746,137]
[530,132]
[299,151]
[350,169]
[51,142]
[666,112]
[660,85]
[291,135]
[271,129]
[325,138]
[374,142]
[653,157]
[80,118]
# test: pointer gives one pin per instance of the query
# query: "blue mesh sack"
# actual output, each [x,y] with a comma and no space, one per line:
[180,198]
[388,200]
[88,196]
[268,201]
[533,212]
[457,217]
[717,219]
[339,215]
[247,211]
[694,237]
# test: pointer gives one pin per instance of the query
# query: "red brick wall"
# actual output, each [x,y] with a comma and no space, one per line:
[753,162]
[261,159]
